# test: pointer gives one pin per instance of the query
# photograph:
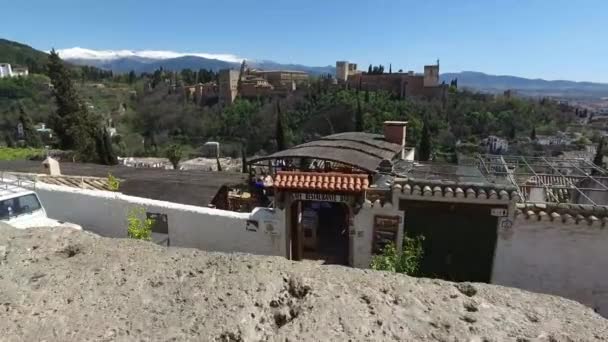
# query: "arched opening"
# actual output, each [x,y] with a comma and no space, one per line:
[320,231]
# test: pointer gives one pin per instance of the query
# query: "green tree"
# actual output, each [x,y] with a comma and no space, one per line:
[406,261]
[511,134]
[533,133]
[280,133]
[359,120]
[132,77]
[424,149]
[599,154]
[73,125]
[370,70]
[174,154]
[30,135]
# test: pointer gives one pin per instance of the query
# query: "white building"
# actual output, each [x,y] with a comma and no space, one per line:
[494,144]
[6,70]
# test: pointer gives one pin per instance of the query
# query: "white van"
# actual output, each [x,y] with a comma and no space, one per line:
[21,208]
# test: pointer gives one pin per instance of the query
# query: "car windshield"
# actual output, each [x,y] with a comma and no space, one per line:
[18,206]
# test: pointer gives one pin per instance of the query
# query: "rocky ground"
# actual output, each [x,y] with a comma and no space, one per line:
[63,285]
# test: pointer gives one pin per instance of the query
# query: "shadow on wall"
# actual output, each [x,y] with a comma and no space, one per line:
[105,213]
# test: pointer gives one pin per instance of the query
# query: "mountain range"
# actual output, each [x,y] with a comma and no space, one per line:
[122,61]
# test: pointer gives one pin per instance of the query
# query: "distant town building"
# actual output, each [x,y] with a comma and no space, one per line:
[401,84]
[256,83]
[345,69]
[201,92]
[285,80]
[495,145]
[509,93]
[6,70]
[560,138]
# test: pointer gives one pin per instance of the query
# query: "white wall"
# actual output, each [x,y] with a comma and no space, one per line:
[105,213]
[364,231]
[569,260]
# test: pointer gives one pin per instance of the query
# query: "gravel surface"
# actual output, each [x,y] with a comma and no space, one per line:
[64,285]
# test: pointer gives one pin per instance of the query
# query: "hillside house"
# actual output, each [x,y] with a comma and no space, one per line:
[6,70]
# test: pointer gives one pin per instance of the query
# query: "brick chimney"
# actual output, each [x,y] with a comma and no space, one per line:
[394,132]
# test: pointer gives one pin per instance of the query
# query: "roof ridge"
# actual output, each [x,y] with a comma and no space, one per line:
[311,144]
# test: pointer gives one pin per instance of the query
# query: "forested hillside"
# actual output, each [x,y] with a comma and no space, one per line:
[150,111]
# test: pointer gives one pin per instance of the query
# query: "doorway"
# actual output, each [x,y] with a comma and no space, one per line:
[459,238]
[319,231]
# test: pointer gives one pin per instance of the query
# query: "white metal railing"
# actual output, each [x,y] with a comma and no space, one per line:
[9,180]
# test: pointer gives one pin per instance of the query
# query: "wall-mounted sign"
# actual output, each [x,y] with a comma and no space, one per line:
[386,229]
[252,226]
[498,212]
[323,197]
[160,222]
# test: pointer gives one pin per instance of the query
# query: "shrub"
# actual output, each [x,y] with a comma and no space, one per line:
[8,153]
[407,261]
[113,183]
[139,228]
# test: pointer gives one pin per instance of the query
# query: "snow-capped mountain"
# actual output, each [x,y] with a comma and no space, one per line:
[109,55]
[122,61]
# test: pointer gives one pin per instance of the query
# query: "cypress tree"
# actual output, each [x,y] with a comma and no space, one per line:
[390,68]
[31,136]
[243,160]
[359,124]
[533,133]
[369,70]
[109,149]
[599,154]
[512,132]
[424,152]
[73,125]
[280,133]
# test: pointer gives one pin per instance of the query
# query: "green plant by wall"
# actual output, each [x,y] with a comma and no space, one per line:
[113,183]
[407,261]
[140,227]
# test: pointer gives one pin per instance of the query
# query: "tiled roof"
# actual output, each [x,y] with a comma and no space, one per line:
[565,213]
[468,190]
[321,181]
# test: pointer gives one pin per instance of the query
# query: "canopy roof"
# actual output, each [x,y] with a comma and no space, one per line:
[361,150]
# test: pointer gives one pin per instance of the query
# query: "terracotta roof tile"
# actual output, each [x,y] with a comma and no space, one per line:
[321,181]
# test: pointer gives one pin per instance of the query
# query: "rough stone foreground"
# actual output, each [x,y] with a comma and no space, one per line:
[64,285]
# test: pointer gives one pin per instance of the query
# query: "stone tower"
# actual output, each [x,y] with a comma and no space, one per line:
[228,84]
[342,71]
[431,75]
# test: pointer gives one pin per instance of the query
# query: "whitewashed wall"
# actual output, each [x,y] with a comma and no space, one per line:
[569,260]
[105,213]
[364,233]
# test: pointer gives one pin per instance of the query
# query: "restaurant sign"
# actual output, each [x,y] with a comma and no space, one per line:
[321,197]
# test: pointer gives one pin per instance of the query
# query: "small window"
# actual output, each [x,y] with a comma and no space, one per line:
[19,206]
[28,204]
[160,223]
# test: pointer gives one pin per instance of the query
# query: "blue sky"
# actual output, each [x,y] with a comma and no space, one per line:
[551,39]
